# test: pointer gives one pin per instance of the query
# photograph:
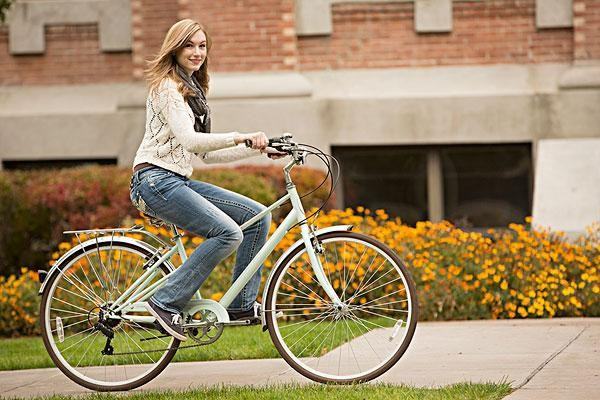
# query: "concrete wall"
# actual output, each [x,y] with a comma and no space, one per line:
[393,106]
[567,182]
[440,105]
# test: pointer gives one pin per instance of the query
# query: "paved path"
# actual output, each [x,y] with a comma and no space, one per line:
[544,359]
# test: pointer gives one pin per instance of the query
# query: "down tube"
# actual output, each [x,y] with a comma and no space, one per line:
[260,257]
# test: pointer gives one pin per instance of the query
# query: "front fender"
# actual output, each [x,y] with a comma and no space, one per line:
[298,243]
[57,265]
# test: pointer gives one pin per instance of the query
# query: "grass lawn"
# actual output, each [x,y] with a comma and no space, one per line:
[462,391]
[237,343]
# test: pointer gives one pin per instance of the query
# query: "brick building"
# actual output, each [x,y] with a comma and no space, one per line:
[435,108]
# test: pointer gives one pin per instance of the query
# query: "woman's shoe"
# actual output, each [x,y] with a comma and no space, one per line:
[252,315]
[170,322]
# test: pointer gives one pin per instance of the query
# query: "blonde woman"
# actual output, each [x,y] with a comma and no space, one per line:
[177,128]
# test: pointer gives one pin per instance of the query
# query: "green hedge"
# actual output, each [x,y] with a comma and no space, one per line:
[37,206]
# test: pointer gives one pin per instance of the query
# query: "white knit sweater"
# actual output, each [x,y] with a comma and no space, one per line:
[170,140]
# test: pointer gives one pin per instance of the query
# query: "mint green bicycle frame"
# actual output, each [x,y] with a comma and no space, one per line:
[139,291]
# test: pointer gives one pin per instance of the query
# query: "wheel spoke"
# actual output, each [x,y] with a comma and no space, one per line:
[302,283]
[348,329]
[384,296]
[382,285]
[319,319]
[70,304]
[359,289]
[364,336]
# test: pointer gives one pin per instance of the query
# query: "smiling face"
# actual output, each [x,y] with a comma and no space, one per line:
[191,56]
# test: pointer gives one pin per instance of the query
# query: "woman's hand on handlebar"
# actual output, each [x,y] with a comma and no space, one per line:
[256,140]
[272,153]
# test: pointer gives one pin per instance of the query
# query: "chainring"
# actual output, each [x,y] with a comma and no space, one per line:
[209,332]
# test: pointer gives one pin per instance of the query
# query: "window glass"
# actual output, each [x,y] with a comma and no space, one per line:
[487,185]
[387,177]
[483,186]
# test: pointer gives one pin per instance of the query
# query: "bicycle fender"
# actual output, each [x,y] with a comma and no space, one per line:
[298,243]
[57,265]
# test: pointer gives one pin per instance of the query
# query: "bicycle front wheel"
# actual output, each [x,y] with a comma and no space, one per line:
[352,342]
[99,350]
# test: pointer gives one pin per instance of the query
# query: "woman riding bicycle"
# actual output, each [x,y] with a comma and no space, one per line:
[177,129]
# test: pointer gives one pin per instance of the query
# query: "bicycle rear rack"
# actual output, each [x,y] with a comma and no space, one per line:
[123,231]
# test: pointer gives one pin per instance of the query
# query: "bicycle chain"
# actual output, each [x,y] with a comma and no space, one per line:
[157,350]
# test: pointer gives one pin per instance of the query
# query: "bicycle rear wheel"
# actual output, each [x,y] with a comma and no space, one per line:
[76,325]
[357,341]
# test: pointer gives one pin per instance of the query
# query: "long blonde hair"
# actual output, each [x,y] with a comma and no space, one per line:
[163,65]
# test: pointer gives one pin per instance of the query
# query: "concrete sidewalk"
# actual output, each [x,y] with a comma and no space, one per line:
[544,359]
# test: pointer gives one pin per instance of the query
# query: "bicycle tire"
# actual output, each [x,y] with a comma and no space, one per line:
[45,321]
[294,360]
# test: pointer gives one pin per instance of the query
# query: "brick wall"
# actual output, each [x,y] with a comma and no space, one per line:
[382,35]
[72,56]
[259,35]
[586,21]
[150,20]
[252,35]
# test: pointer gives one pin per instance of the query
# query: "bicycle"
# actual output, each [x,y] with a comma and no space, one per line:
[340,306]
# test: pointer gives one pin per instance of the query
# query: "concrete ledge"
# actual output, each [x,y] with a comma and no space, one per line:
[581,77]
[446,81]
[436,105]
[259,85]
[75,99]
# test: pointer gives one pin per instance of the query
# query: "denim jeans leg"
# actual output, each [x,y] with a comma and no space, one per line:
[240,209]
[170,198]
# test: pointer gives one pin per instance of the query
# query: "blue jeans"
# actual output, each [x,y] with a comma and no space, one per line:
[208,211]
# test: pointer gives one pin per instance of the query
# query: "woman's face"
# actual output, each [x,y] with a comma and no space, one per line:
[192,55]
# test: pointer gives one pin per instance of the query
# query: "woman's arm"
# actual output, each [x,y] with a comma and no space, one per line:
[239,152]
[176,114]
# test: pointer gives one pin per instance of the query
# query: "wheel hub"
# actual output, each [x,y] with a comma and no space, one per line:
[341,311]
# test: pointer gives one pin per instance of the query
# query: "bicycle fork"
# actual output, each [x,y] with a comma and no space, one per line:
[311,241]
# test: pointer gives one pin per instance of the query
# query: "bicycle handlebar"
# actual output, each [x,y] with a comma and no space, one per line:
[281,143]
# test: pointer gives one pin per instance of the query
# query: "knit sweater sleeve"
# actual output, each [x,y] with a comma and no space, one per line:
[239,152]
[182,126]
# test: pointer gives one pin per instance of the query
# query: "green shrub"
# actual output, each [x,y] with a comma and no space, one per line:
[37,206]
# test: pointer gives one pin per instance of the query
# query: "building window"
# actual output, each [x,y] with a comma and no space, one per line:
[48,164]
[387,177]
[474,186]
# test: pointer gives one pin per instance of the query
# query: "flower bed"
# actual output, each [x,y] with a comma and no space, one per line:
[513,273]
